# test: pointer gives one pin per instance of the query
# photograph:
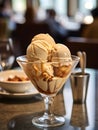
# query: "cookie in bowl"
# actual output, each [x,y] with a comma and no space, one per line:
[15,81]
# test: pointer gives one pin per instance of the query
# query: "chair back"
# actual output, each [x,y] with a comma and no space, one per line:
[90,46]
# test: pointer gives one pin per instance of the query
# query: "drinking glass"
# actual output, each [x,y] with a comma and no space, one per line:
[48,78]
[6,54]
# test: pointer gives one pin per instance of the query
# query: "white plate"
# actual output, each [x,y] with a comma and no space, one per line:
[28,94]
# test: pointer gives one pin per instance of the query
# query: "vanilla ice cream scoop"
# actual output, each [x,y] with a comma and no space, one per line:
[61,53]
[41,48]
[37,51]
[45,37]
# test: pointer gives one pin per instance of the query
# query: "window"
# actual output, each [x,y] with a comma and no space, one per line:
[86,5]
[60,6]
[19,6]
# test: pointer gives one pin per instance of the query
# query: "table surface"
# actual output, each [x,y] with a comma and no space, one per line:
[17,114]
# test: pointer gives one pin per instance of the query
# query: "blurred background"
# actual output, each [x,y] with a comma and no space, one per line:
[67,21]
[70,14]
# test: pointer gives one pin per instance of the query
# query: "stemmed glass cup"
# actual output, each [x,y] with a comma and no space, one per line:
[48,78]
[6,54]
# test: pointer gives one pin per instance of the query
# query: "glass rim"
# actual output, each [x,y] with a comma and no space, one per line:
[19,58]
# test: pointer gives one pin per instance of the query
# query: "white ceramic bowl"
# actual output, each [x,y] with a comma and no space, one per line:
[14,86]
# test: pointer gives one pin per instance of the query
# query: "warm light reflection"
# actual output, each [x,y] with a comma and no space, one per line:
[88,19]
[19,6]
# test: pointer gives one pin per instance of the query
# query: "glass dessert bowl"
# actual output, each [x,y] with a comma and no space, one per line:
[48,78]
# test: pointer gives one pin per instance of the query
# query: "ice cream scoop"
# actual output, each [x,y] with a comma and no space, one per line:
[41,48]
[61,53]
[62,50]
[37,51]
[45,37]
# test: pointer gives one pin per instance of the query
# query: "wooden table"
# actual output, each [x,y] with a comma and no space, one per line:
[17,114]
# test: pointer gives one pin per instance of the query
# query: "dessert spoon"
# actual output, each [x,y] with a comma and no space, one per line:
[82,56]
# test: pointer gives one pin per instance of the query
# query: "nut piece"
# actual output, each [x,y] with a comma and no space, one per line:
[17,78]
[46,76]
[62,71]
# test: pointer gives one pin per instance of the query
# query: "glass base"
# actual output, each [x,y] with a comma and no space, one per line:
[50,121]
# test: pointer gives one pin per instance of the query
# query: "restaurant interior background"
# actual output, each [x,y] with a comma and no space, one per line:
[73,16]
[67,10]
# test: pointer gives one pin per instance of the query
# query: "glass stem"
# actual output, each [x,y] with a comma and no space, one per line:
[48,107]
